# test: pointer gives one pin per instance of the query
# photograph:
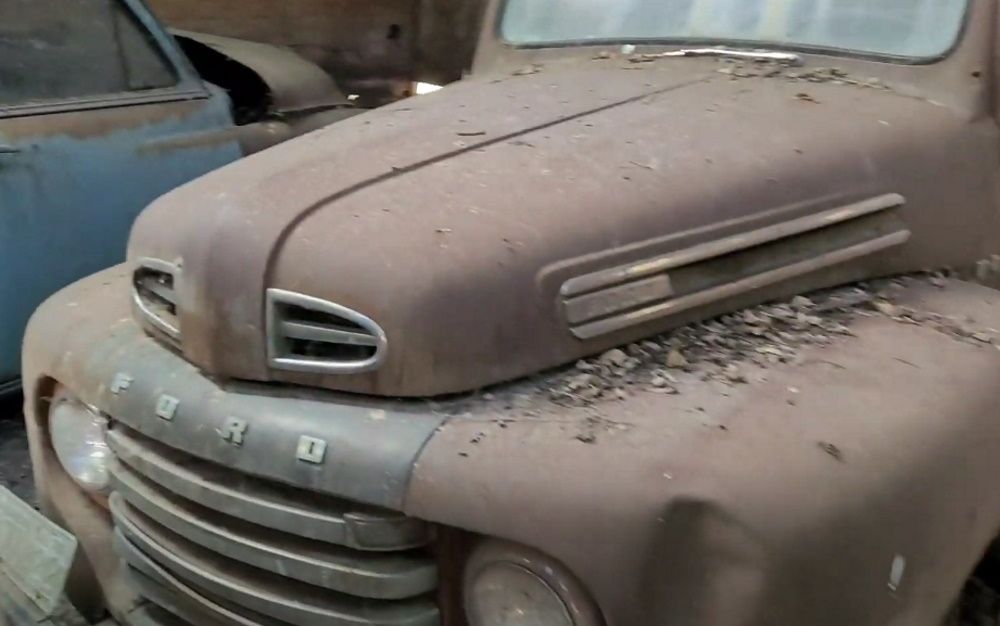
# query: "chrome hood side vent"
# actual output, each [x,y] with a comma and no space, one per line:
[618,298]
[154,296]
[307,334]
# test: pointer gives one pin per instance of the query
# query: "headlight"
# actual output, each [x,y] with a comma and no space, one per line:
[78,434]
[510,585]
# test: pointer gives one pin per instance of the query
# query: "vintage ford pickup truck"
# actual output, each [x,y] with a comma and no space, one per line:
[606,334]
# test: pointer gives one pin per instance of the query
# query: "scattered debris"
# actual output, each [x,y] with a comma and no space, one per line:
[676,359]
[471,133]
[983,337]
[614,358]
[738,69]
[802,303]
[832,450]
[804,97]
[527,70]
[734,348]
[988,269]
[887,308]
[735,375]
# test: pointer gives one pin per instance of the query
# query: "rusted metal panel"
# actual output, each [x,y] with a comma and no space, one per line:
[791,499]
[147,141]
[367,47]
[62,216]
[687,456]
[851,481]
[642,168]
[382,44]
[362,465]
[296,86]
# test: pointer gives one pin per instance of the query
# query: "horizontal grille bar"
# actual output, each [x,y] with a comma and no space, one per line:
[310,331]
[194,568]
[264,503]
[382,575]
[166,592]
[157,288]
[151,615]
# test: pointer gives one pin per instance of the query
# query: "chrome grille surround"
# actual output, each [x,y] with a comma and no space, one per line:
[211,546]
[154,296]
[298,325]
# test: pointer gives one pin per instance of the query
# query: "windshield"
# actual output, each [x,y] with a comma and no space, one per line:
[905,28]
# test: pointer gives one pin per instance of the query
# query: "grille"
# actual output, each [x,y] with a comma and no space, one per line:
[306,334]
[212,546]
[155,296]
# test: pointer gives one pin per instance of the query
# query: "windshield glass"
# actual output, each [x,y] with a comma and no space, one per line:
[905,28]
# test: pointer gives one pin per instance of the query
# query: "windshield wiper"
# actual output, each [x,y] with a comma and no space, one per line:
[787,58]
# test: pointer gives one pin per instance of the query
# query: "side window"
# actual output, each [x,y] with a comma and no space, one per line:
[65,49]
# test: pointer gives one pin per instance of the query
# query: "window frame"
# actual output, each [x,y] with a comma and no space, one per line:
[189,85]
[501,12]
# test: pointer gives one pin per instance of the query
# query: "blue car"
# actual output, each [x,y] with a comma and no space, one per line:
[101,111]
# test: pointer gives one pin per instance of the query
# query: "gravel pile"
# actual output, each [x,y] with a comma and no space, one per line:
[738,348]
[770,69]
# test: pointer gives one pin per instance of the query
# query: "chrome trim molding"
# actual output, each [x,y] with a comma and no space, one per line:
[614,276]
[701,298]
[616,298]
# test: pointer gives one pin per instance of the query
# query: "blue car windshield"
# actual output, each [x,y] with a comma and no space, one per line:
[917,29]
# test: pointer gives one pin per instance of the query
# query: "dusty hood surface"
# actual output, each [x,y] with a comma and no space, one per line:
[455,220]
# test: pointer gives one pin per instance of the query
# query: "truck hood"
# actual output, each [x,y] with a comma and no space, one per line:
[510,224]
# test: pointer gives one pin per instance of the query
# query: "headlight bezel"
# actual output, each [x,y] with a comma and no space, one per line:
[494,554]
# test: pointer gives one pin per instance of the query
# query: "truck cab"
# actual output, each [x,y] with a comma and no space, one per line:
[655,318]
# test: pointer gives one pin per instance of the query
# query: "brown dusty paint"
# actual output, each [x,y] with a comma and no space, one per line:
[455,219]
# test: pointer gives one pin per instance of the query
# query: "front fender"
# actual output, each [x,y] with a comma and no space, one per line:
[857,486]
